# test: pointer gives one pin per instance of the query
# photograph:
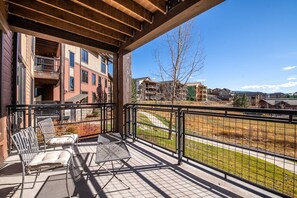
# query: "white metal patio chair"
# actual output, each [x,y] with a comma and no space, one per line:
[34,161]
[51,138]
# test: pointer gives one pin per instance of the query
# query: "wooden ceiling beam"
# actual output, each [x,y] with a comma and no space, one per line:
[111,12]
[80,11]
[136,9]
[18,24]
[66,17]
[177,15]
[47,20]
[159,5]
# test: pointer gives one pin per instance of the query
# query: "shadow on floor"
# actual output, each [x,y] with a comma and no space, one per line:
[11,169]
[8,191]
[187,175]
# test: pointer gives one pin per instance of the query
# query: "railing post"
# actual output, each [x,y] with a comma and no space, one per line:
[8,128]
[104,118]
[134,122]
[128,120]
[30,117]
[180,134]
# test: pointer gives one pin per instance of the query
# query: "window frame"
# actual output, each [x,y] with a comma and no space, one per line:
[84,56]
[82,76]
[99,80]
[70,52]
[103,62]
[70,83]
[93,79]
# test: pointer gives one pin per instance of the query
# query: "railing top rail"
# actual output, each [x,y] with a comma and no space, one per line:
[59,105]
[234,109]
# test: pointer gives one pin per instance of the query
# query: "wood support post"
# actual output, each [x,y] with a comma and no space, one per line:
[121,85]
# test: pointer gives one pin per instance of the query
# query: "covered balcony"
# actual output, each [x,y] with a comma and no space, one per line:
[177,151]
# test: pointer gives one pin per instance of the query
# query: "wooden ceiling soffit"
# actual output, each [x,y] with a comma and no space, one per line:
[54,22]
[87,14]
[111,12]
[19,24]
[132,7]
[72,19]
[3,17]
[177,15]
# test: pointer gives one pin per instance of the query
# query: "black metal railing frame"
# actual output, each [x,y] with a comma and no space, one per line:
[22,116]
[255,114]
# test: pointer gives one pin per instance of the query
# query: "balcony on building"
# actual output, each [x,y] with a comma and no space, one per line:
[46,62]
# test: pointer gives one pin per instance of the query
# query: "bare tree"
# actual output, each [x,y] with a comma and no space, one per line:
[186,59]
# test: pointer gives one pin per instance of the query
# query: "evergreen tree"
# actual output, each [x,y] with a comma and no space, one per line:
[244,101]
[134,92]
[241,101]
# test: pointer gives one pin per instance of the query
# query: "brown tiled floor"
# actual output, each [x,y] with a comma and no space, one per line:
[150,173]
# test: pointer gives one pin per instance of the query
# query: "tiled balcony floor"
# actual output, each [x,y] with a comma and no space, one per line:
[150,173]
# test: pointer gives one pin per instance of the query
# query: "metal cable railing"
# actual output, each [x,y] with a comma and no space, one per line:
[257,146]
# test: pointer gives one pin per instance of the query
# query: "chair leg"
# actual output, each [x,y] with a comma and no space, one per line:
[67,188]
[23,181]
[37,174]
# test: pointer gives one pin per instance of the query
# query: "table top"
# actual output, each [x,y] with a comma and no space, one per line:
[111,152]
[109,137]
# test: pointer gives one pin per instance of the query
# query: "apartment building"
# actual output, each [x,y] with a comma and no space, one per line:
[82,73]
[196,91]
[147,89]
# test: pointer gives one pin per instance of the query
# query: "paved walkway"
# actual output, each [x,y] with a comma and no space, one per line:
[283,163]
[153,119]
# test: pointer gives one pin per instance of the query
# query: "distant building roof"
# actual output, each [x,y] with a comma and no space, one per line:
[142,78]
[193,83]
[292,102]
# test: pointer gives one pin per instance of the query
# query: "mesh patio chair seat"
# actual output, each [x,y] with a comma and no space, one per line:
[111,148]
[34,161]
[51,138]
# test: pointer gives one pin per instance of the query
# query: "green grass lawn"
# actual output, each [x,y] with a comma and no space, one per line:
[242,165]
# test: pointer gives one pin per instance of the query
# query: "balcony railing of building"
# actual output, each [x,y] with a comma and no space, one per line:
[87,120]
[46,64]
[257,146]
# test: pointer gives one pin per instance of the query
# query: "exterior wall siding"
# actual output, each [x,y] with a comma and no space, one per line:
[6,89]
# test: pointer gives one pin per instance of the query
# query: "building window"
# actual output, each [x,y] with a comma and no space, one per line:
[33,45]
[94,97]
[71,59]
[84,76]
[84,56]
[103,65]
[99,80]
[71,83]
[86,99]
[21,83]
[105,82]
[93,79]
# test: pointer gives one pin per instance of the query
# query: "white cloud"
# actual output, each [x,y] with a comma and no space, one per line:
[291,78]
[289,68]
[201,80]
[270,87]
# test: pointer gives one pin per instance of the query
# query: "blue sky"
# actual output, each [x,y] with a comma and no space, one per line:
[249,45]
